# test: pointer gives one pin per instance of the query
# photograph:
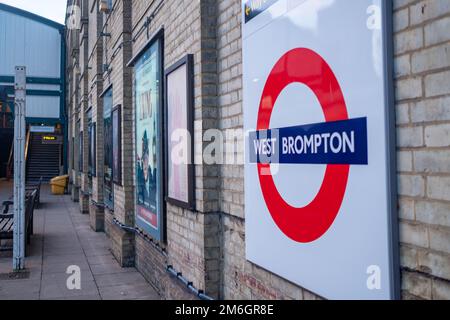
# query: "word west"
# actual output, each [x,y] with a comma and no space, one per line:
[335,143]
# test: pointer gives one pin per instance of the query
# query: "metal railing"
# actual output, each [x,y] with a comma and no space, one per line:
[27,145]
[10,163]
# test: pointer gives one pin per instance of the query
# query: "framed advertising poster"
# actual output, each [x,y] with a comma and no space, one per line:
[80,152]
[179,131]
[92,149]
[148,93]
[117,144]
[320,176]
[108,187]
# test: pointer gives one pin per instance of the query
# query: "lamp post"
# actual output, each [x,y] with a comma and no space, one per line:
[19,169]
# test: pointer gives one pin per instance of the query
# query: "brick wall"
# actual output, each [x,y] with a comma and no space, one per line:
[95,72]
[72,63]
[189,29]
[116,24]
[83,106]
[422,71]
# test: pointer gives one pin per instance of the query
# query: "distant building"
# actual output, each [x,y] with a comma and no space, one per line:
[38,44]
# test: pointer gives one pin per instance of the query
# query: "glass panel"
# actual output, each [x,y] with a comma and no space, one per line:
[108,159]
[147,85]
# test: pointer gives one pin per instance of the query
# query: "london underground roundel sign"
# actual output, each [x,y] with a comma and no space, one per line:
[319,178]
[311,222]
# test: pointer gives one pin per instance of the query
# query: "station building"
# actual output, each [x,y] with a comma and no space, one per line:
[38,44]
[119,55]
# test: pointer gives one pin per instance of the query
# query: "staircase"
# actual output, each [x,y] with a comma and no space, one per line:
[6,139]
[43,160]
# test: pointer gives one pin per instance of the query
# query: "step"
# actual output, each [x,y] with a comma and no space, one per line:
[42,173]
[38,156]
[49,162]
[43,169]
[41,156]
[42,159]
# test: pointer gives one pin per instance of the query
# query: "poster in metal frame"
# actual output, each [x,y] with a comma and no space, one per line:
[179,131]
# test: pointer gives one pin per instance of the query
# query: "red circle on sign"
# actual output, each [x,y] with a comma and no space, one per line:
[309,223]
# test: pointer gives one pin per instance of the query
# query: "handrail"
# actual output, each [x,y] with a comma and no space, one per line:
[10,162]
[27,144]
[11,154]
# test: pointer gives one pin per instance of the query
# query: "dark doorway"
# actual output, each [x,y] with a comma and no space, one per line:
[6,136]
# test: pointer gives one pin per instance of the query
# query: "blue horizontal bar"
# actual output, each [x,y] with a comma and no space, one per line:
[33,80]
[49,93]
[340,142]
[45,121]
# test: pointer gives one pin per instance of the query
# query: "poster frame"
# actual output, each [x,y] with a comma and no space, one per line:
[117,176]
[159,234]
[93,149]
[108,195]
[187,61]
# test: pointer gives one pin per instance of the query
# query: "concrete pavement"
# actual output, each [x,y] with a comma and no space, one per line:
[64,238]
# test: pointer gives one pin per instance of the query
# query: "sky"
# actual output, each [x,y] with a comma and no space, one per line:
[51,9]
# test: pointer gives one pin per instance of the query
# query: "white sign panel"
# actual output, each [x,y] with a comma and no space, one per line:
[319,172]
[42,129]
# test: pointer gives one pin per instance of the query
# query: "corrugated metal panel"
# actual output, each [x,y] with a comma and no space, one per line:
[42,107]
[30,43]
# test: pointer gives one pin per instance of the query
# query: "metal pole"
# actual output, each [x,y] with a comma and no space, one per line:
[19,169]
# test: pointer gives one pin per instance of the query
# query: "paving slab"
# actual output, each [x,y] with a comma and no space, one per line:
[68,259]
[62,267]
[96,252]
[56,289]
[62,251]
[110,268]
[102,259]
[128,292]
[78,298]
[61,277]
[117,279]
